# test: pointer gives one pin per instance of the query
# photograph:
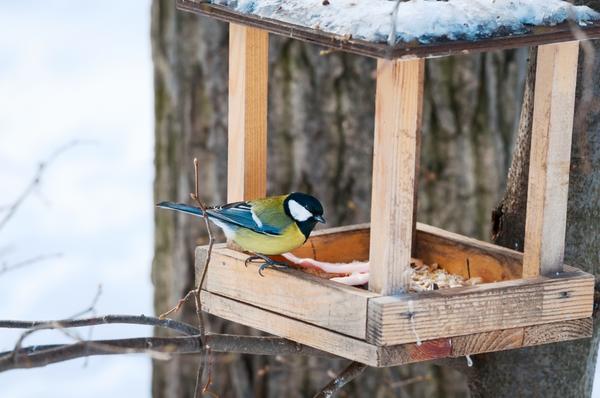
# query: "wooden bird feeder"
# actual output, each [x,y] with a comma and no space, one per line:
[526,299]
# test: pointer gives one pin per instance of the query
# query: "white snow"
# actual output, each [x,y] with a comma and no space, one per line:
[423,20]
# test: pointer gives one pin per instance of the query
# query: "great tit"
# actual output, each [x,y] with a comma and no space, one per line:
[268,226]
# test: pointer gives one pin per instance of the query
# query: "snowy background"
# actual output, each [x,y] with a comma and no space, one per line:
[71,72]
[77,72]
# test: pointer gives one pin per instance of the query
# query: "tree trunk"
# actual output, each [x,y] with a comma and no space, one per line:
[562,369]
[320,141]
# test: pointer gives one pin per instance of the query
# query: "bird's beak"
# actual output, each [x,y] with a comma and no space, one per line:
[320,219]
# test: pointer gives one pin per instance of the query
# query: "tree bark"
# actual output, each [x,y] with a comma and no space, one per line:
[564,369]
[320,141]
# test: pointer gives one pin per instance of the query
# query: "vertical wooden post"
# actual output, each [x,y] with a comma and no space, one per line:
[398,107]
[247,132]
[554,102]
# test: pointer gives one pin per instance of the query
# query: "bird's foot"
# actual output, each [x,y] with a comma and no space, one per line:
[253,259]
[267,262]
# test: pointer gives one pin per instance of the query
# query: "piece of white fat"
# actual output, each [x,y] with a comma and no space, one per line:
[423,20]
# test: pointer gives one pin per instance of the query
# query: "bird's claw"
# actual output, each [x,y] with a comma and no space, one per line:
[267,262]
[271,263]
[252,259]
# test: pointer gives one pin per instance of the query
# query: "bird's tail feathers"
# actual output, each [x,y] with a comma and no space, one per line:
[196,211]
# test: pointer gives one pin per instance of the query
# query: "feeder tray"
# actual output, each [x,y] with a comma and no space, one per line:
[524,299]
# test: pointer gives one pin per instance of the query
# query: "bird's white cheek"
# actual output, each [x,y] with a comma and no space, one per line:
[298,211]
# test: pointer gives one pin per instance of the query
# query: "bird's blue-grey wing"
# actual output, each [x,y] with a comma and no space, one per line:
[242,215]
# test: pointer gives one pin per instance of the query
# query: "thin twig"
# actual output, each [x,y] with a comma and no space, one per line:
[178,306]
[74,336]
[35,181]
[92,307]
[177,326]
[198,290]
[29,261]
[351,372]
[197,299]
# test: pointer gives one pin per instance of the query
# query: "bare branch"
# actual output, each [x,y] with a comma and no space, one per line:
[177,326]
[92,307]
[353,370]
[35,181]
[206,357]
[196,292]
[177,307]
[42,355]
[29,261]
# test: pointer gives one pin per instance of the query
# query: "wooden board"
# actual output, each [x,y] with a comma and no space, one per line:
[279,325]
[398,106]
[534,37]
[467,257]
[554,103]
[481,308]
[247,128]
[456,253]
[340,244]
[292,292]
[371,355]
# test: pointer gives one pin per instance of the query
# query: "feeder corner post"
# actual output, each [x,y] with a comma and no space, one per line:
[398,108]
[247,120]
[553,109]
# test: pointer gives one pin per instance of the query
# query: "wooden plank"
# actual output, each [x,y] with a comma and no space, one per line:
[533,36]
[496,340]
[467,257]
[500,340]
[412,352]
[347,347]
[294,293]
[398,106]
[247,129]
[555,332]
[481,308]
[554,102]
[372,355]
[456,253]
[340,244]
[478,343]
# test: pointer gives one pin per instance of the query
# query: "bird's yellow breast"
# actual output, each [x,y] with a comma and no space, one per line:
[251,241]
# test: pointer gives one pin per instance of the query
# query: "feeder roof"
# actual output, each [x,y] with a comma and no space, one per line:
[422,28]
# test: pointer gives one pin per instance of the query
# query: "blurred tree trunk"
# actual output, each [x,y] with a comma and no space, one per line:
[320,141]
[563,369]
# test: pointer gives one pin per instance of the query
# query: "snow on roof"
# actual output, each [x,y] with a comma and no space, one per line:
[422,20]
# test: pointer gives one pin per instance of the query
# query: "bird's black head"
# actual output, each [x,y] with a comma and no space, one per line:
[305,209]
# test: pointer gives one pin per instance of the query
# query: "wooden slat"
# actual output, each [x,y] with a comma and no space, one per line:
[372,355]
[467,257]
[554,101]
[534,36]
[247,129]
[555,332]
[340,244]
[496,340]
[398,105]
[481,308]
[292,329]
[412,352]
[500,340]
[291,292]
[456,253]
